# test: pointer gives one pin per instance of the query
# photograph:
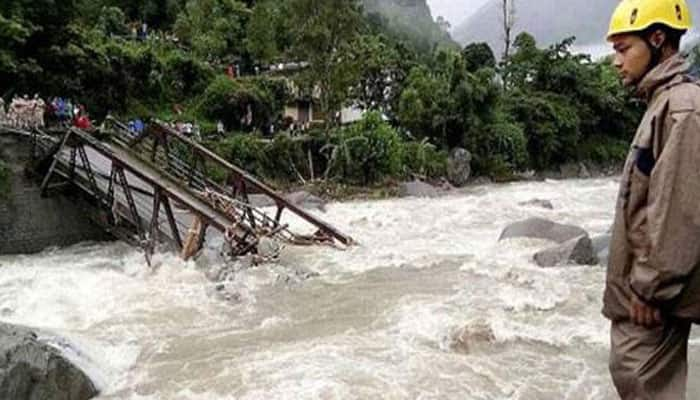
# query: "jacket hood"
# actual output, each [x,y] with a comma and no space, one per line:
[661,75]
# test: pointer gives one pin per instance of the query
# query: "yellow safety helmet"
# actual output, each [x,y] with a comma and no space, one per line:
[638,15]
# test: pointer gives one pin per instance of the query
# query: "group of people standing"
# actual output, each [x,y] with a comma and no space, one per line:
[23,112]
[26,113]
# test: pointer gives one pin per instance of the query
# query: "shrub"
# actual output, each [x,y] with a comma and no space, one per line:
[246,151]
[185,75]
[284,159]
[112,21]
[424,158]
[501,145]
[551,125]
[366,152]
[604,150]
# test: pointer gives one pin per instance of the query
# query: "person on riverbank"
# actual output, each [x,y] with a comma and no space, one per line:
[652,293]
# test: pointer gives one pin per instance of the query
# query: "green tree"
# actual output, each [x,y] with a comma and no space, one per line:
[446,102]
[158,14]
[214,29]
[477,56]
[323,32]
[268,35]
[13,34]
[112,21]
[34,35]
[231,101]
[557,126]
[382,69]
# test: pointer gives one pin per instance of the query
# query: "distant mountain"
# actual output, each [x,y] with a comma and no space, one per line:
[410,19]
[548,20]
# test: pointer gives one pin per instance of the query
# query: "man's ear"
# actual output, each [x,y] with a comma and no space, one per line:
[657,38]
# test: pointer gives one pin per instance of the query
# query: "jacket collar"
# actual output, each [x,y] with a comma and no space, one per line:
[668,73]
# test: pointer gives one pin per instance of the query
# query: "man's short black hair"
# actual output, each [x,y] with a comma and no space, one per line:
[673,36]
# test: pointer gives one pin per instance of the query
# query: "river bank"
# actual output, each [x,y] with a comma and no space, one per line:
[336,191]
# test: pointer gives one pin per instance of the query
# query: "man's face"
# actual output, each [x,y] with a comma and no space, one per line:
[632,57]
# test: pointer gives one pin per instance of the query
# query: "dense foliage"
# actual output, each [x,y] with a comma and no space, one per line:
[539,108]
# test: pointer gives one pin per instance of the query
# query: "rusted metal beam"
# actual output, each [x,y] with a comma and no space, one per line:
[134,212]
[56,156]
[171,221]
[256,184]
[88,171]
[154,228]
[121,177]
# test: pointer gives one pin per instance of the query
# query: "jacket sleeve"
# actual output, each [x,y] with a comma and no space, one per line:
[660,272]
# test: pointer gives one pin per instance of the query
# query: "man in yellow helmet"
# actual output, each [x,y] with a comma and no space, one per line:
[652,293]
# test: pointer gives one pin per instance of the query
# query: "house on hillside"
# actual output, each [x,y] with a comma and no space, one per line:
[303,108]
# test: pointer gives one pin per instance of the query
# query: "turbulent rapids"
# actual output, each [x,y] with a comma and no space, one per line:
[429,305]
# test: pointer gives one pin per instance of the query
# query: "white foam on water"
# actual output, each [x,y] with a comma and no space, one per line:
[165,334]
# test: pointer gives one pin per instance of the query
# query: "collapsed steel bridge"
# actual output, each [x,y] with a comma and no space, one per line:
[158,186]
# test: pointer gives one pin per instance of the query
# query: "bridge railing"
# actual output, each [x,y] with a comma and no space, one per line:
[218,180]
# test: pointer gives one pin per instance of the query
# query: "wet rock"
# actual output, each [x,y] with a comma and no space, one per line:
[469,338]
[459,167]
[529,175]
[417,189]
[207,258]
[574,170]
[482,180]
[583,171]
[601,247]
[540,228]
[295,275]
[575,251]
[33,370]
[306,200]
[269,249]
[538,203]
[445,185]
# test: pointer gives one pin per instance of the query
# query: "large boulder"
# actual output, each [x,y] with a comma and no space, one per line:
[540,228]
[574,170]
[33,370]
[417,189]
[306,200]
[575,251]
[459,167]
[299,198]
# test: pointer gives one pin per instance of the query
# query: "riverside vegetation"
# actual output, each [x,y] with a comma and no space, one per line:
[537,109]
